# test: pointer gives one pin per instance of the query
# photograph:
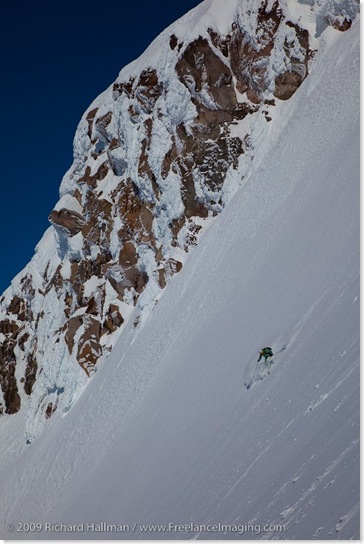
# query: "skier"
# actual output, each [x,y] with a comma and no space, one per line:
[266,353]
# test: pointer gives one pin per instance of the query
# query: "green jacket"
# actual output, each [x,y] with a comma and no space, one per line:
[265,352]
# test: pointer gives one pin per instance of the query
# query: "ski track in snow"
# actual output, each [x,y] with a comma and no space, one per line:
[166,431]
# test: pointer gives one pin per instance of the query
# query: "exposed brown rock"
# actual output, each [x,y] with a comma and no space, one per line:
[78,195]
[20,308]
[134,115]
[84,270]
[173,266]
[207,70]
[81,272]
[211,158]
[38,318]
[123,88]
[8,327]
[141,282]
[15,305]
[95,304]
[286,84]
[267,25]
[191,237]
[90,118]
[92,307]
[148,89]
[99,176]
[162,277]
[89,349]
[22,340]
[175,226]
[115,275]
[114,143]
[249,60]
[173,41]
[220,42]
[193,207]
[99,224]
[10,388]
[128,255]
[118,165]
[137,279]
[137,216]
[70,222]
[30,373]
[50,410]
[113,319]
[72,327]
[102,123]
[68,300]
[57,281]
[209,151]
[288,81]
[27,287]
[341,25]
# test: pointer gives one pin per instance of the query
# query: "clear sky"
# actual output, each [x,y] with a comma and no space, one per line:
[56,58]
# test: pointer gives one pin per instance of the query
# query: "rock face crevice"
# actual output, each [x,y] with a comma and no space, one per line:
[152,158]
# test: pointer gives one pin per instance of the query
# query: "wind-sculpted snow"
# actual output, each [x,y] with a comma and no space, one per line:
[156,157]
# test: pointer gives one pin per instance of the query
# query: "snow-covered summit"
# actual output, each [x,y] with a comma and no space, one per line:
[156,157]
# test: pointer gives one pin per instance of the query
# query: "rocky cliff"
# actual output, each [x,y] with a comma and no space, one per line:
[156,157]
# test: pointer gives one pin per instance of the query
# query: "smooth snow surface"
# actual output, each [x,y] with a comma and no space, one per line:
[166,432]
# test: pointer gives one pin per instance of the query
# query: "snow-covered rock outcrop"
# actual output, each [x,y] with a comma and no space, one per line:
[156,157]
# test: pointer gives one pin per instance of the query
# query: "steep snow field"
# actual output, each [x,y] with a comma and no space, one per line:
[166,432]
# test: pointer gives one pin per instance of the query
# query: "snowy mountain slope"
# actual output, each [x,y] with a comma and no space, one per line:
[156,158]
[166,432]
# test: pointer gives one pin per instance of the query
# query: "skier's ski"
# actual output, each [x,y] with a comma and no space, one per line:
[262,372]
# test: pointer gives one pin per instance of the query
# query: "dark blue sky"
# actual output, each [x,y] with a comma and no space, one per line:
[56,58]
